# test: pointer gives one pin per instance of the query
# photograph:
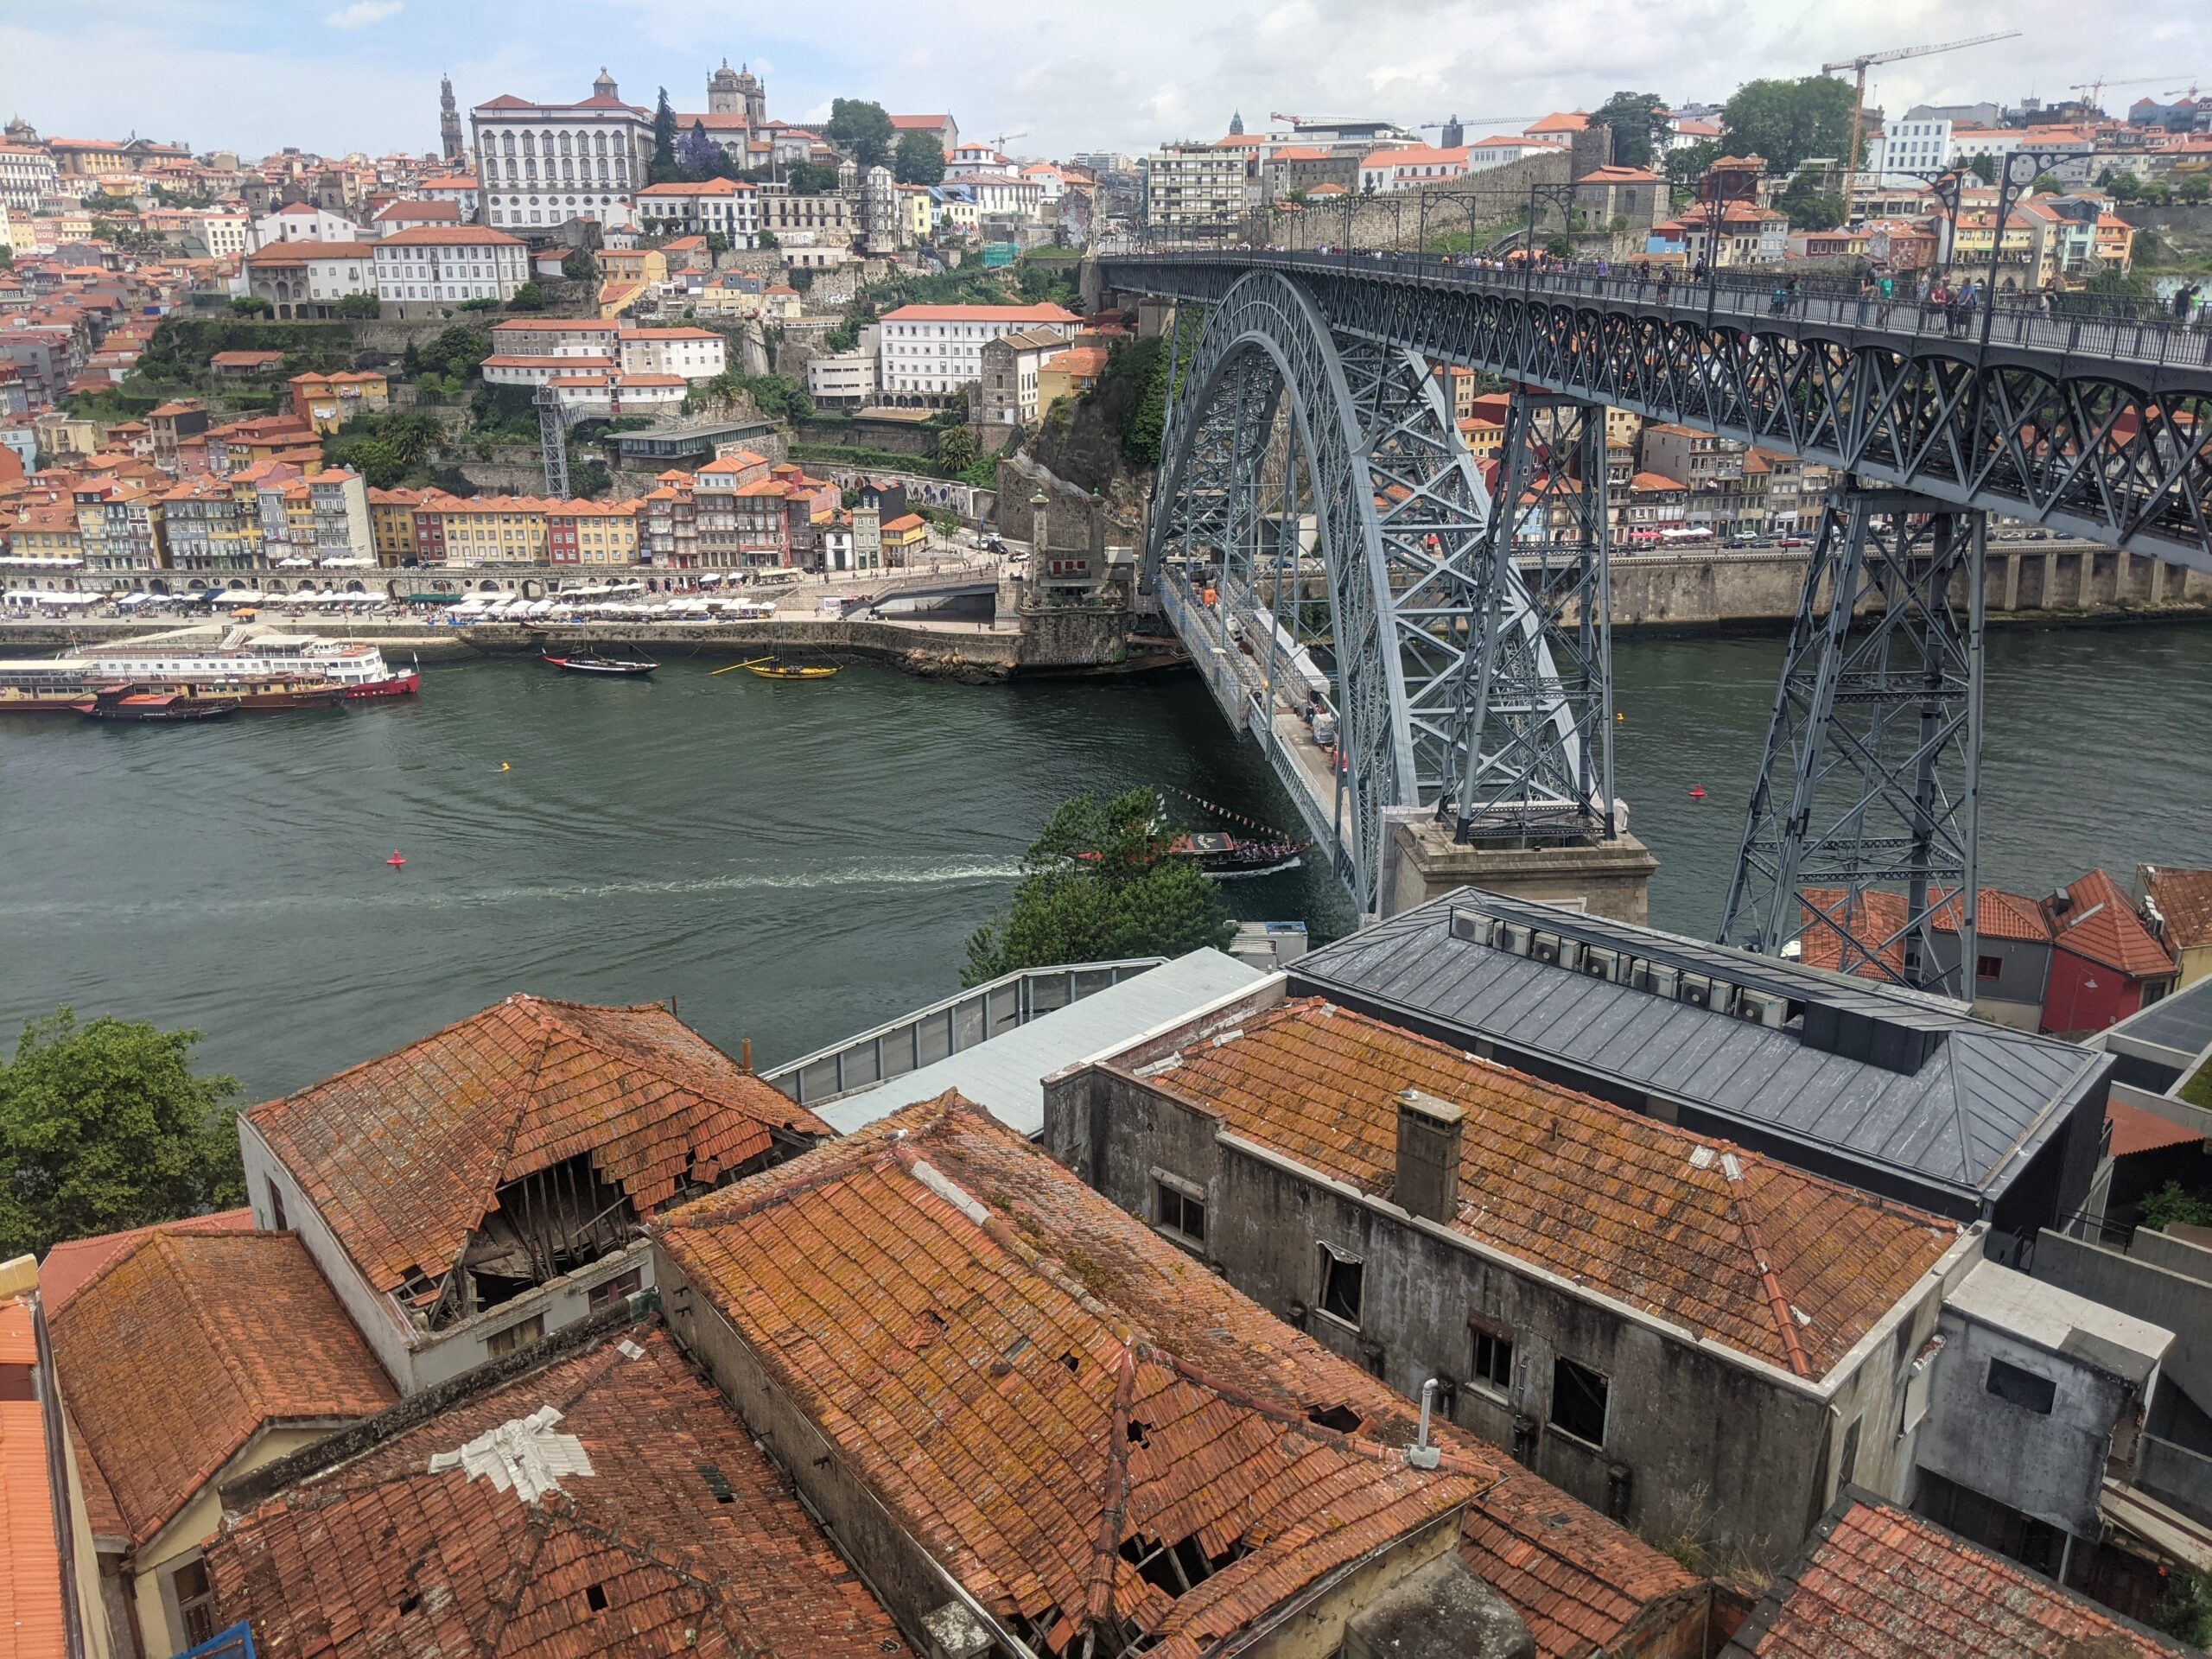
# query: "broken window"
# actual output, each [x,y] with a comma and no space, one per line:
[2021,1386]
[1341,1281]
[1578,1400]
[1180,1212]
[1493,1364]
[276,1221]
[195,1601]
[616,1289]
[515,1336]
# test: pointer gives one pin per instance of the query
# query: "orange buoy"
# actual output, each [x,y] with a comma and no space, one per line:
[1697,792]
[395,861]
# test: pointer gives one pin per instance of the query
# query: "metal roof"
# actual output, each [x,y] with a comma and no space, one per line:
[1962,1114]
[1006,1074]
[2181,1024]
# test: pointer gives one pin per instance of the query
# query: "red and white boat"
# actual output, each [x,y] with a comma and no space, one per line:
[209,655]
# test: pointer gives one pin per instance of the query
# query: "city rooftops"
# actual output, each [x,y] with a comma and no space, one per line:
[1879,1582]
[1895,1091]
[604,1501]
[1032,313]
[1730,1246]
[403,1157]
[935,1289]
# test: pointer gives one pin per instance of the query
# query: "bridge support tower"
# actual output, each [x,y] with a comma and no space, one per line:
[1860,840]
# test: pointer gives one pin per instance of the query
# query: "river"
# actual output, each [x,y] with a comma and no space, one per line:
[794,862]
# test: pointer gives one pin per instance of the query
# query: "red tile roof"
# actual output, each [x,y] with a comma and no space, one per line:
[1030,1380]
[1044,312]
[1879,915]
[184,1344]
[70,1264]
[2098,922]
[2184,899]
[684,1525]
[30,1561]
[402,1156]
[1878,1583]
[2135,1130]
[446,236]
[1781,1265]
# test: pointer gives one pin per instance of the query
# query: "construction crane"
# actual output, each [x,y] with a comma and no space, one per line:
[1001,140]
[2095,88]
[1859,66]
[1444,129]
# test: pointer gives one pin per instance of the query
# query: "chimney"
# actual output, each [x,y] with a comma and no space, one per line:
[1428,1155]
[745,1055]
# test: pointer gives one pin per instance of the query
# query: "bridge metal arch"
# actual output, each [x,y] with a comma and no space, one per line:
[1271,319]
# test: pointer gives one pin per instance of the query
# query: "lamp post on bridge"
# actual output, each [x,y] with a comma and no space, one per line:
[2012,173]
[1558,195]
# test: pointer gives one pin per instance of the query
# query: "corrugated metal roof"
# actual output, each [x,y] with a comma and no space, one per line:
[1965,1120]
[2182,1022]
[1005,1076]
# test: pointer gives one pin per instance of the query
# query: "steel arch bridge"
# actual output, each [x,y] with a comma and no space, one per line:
[1308,445]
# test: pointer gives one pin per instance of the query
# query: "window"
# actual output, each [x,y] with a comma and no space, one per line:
[2021,1387]
[276,1221]
[622,1285]
[1579,1399]
[1178,1212]
[1492,1368]
[515,1336]
[1341,1282]
[1988,967]
[195,1601]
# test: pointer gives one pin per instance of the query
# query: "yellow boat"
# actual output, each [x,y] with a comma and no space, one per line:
[775,672]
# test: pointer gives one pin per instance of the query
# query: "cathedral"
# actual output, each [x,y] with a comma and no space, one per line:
[738,92]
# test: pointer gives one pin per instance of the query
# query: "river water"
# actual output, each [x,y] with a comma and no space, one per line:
[795,862]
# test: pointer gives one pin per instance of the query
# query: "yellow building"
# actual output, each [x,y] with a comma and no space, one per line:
[484,529]
[46,532]
[633,265]
[1068,374]
[391,524]
[592,533]
[914,202]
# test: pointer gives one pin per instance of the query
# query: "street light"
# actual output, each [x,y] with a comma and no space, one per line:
[2013,172]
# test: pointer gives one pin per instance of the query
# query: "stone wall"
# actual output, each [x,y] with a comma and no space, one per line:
[1496,197]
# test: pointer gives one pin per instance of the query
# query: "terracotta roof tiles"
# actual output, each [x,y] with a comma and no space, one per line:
[1878,1583]
[1033,1383]
[2098,922]
[30,1568]
[403,1156]
[1611,1200]
[183,1344]
[684,1532]
[2184,899]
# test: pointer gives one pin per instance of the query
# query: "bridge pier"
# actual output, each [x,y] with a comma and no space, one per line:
[1608,877]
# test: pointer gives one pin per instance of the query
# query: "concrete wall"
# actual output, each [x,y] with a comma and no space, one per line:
[2158,1279]
[1720,1448]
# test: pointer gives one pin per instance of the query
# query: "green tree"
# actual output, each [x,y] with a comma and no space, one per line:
[956,449]
[360,305]
[862,129]
[1983,167]
[2186,1610]
[2169,1207]
[2049,184]
[1098,885]
[662,170]
[578,266]
[717,243]
[103,1126]
[810,179]
[1809,207]
[1639,124]
[7,257]
[1783,121]
[529,296]
[247,306]
[2196,189]
[920,159]
[1685,166]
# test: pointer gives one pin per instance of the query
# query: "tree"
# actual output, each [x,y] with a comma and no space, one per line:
[103,1126]
[861,129]
[578,266]
[810,179]
[717,243]
[1100,885]
[1639,124]
[1983,167]
[662,170]
[248,306]
[956,449]
[528,297]
[1783,121]
[1809,207]
[697,156]
[7,257]
[360,305]
[919,160]
[2049,184]
[767,242]
[2196,189]
[1685,166]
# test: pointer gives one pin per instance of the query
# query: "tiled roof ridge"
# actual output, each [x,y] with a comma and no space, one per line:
[523,1098]
[1113,1497]
[689,1086]
[321,1084]
[1739,1207]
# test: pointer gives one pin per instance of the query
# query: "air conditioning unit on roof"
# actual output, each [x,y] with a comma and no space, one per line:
[1514,936]
[1657,978]
[1696,989]
[1762,1008]
[1550,947]
[1473,927]
[1601,961]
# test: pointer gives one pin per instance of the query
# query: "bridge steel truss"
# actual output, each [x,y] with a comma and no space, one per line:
[1872,773]
[2116,450]
[1429,618]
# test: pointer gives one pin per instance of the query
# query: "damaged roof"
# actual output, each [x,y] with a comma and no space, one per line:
[403,1156]
[1762,1258]
[1091,1431]
[664,1529]
[184,1345]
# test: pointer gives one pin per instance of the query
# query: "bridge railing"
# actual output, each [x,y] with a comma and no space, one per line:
[2068,326]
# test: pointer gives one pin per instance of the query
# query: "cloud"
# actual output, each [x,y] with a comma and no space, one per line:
[362,12]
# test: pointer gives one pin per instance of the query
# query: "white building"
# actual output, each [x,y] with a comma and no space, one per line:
[547,163]
[1918,144]
[519,369]
[724,207]
[28,176]
[847,379]
[407,214]
[307,279]
[225,232]
[1020,198]
[302,222]
[1384,170]
[423,272]
[557,336]
[1497,150]
[688,353]
[931,353]
[459,188]
[1193,189]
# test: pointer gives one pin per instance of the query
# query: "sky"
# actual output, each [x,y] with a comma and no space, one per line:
[335,76]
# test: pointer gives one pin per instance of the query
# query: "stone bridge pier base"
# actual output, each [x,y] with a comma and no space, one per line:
[1607,878]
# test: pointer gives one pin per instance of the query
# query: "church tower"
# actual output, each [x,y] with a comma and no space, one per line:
[1236,124]
[754,91]
[449,123]
[604,86]
[724,95]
